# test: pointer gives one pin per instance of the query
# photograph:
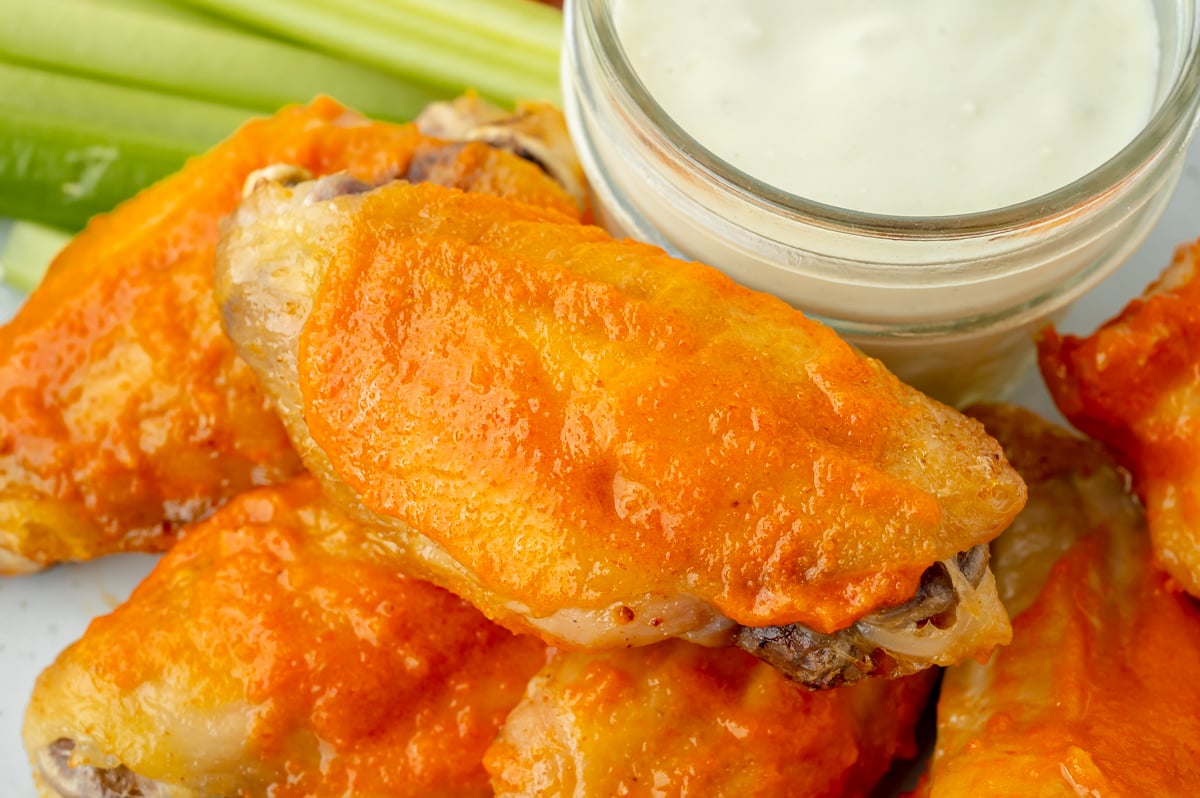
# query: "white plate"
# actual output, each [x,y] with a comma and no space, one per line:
[39,615]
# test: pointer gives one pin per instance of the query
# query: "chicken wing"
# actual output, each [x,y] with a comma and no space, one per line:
[677,719]
[1135,385]
[609,447]
[124,411]
[274,651]
[1099,692]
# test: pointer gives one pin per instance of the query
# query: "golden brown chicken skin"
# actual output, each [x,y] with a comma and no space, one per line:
[1135,385]
[124,411]
[676,719]
[534,130]
[1099,692]
[593,441]
[274,651]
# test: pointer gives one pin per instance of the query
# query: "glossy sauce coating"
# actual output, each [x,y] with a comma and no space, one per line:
[578,419]
[124,411]
[1135,385]
[676,720]
[1099,690]
[274,651]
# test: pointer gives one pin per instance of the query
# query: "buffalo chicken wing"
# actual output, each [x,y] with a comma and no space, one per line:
[124,411]
[1135,385]
[676,719]
[1098,694]
[275,651]
[593,441]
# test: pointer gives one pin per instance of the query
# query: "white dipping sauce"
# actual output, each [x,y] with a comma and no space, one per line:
[905,107]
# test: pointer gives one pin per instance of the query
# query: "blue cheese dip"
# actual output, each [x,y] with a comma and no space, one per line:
[901,107]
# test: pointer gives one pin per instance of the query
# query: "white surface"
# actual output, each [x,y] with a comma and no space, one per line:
[41,614]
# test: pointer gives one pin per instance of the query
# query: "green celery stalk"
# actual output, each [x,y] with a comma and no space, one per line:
[528,25]
[164,8]
[451,42]
[142,47]
[410,42]
[25,89]
[27,253]
[72,147]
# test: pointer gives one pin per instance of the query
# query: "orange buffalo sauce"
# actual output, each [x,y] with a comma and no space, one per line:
[270,653]
[1099,694]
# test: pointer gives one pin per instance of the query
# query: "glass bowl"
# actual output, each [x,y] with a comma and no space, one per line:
[950,303]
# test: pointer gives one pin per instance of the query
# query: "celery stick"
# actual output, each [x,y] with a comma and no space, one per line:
[403,43]
[135,47]
[54,171]
[27,252]
[500,48]
[165,9]
[195,125]
[531,26]
[70,147]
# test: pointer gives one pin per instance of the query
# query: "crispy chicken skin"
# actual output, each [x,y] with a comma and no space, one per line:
[593,441]
[124,411]
[677,719]
[275,651]
[1099,692]
[534,130]
[1135,385]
